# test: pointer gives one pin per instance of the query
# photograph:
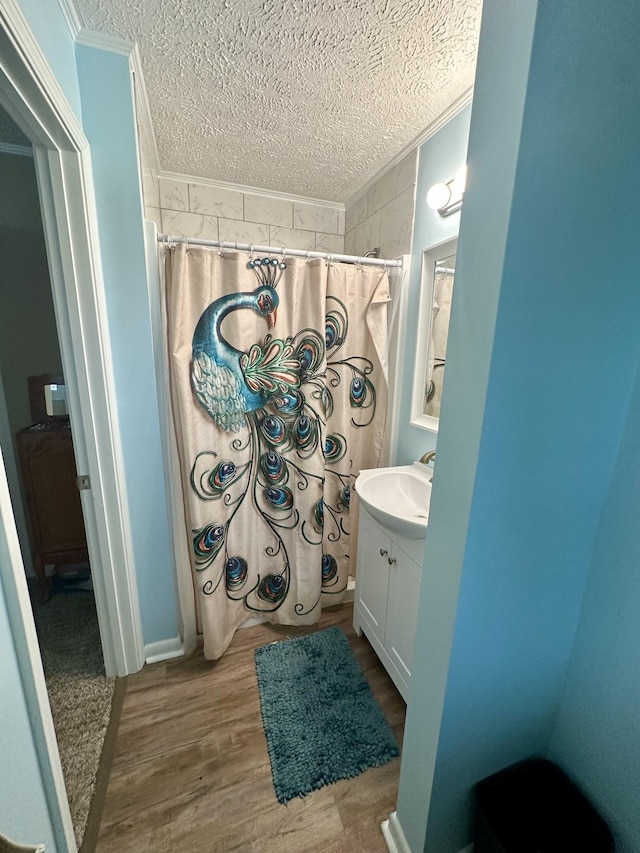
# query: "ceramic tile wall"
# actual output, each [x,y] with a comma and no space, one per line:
[383,216]
[187,209]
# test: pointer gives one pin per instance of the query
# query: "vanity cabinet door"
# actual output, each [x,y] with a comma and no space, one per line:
[374,549]
[402,611]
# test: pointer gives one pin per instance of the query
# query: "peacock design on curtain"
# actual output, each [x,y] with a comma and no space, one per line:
[268,405]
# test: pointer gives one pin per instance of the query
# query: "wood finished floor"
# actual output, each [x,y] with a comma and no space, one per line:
[191,770]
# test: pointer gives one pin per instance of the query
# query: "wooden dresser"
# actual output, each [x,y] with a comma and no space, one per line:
[53,501]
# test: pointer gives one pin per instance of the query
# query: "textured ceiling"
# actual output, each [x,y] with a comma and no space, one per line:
[310,97]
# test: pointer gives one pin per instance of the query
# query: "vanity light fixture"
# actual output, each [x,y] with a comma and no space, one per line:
[447,198]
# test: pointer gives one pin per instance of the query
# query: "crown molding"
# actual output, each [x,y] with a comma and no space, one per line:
[143,111]
[19,150]
[71,16]
[457,106]
[104,41]
[225,185]
[124,47]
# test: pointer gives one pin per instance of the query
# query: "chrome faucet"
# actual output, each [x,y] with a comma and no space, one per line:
[430,456]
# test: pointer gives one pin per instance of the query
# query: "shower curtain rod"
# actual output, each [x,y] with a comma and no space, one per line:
[295,253]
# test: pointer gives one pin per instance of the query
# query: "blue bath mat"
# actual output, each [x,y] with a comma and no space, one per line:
[320,718]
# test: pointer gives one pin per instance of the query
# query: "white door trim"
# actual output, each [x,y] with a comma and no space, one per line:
[31,95]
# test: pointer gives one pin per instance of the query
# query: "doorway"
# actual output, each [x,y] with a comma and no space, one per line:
[35,436]
[32,98]
[37,447]
[35,104]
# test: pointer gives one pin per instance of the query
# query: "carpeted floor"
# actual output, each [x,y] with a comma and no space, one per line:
[79,692]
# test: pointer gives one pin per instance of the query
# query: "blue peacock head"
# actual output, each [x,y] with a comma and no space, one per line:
[267,301]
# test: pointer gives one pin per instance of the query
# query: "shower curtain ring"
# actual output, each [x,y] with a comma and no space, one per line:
[251,252]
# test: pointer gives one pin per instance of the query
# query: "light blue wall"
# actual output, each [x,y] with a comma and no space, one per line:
[562,358]
[495,131]
[597,734]
[439,159]
[24,813]
[109,123]
[50,29]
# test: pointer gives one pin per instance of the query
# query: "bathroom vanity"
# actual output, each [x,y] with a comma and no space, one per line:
[389,569]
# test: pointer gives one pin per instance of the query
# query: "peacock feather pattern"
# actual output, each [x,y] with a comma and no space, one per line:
[278,398]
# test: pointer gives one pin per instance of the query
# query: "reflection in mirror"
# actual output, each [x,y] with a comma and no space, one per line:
[436,290]
[55,396]
[443,274]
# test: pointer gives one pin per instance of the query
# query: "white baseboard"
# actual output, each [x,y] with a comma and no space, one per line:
[167,649]
[394,836]
[163,650]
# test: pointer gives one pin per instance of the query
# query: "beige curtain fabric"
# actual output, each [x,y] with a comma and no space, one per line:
[356,388]
[274,414]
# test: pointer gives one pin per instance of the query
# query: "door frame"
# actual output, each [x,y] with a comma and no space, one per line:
[33,98]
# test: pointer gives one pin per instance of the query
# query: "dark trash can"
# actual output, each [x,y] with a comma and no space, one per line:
[533,807]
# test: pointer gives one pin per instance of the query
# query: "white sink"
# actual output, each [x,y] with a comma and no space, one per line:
[398,497]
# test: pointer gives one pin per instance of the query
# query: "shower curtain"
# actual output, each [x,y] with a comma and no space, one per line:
[279,396]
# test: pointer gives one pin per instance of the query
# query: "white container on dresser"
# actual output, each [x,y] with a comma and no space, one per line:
[388,573]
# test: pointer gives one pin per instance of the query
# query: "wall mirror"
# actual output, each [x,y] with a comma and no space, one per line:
[438,272]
